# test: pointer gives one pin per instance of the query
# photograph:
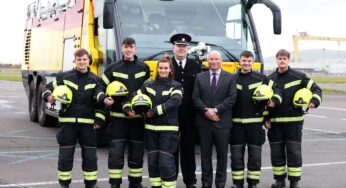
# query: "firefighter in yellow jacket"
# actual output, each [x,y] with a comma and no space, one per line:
[79,116]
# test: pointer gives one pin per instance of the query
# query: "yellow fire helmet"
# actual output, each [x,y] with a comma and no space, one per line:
[116,89]
[141,103]
[302,97]
[63,94]
[263,92]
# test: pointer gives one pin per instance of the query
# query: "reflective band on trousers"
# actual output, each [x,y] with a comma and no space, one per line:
[76,120]
[169,184]
[294,171]
[255,175]
[238,175]
[115,173]
[122,115]
[161,127]
[90,175]
[64,175]
[287,119]
[135,172]
[155,182]
[279,170]
[248,120]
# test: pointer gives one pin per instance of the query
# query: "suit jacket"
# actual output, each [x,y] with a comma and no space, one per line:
[186,77]
[222,100]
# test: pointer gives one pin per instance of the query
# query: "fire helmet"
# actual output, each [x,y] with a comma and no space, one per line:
[141,103]
[262,92]
[302,97]
[63,94]
[116,89]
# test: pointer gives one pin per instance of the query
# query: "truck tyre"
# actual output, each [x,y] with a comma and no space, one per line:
[43,119]
[33,102]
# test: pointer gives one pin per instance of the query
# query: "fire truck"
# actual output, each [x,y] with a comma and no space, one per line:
[54,29]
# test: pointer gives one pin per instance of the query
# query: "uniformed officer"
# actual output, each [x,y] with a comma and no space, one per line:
[125,130]
[186,70]
[286,121]
[78,118]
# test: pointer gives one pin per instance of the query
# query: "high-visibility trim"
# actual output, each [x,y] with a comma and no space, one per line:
[101,116]
[255,85]
[271,83]
[64,175]
[159,109]
[71,84]
[151,91]
[90,175]
[126,105]
[147,80]
[140,74]
[89,86]
[177,91]
[287,119]
[98,95]
[55,84]
[120,75]
[291,84]
[115,173]
[76,120]
[317,97]
[169,184]
[266,112]
[248,120]
[105,79]
[164,93]
[309,85]
[294,171]
[278,97]
[135,172]
[279,170]
[238,175]
[122,115]
[139,92]
[255,175]
[161,127]
[240,87]
[155,182]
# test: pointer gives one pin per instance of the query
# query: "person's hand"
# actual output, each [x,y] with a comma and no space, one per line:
[96,126]
[131,113]
[215,118]
[267,125]
[108,101]
[312,105]
[149,114]
[271,104]
[211,114]
[51,99]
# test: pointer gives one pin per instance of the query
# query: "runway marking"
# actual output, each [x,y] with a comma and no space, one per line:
[146,176]
[324,131]
[332,108]
[316,116]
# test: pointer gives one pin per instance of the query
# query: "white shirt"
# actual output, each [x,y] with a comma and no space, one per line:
[218,72]
[183,62]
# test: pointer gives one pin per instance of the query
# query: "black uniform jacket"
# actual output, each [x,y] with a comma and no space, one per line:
[245,110]
[290,82]
[84,108]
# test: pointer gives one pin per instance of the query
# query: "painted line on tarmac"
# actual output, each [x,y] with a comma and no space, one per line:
[146,176]
[17,131]
[29,137]
[324,131]
[316,116]
[343,119]
[332,108]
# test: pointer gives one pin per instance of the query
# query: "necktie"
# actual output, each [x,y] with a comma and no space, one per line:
[181,65]
[213,84]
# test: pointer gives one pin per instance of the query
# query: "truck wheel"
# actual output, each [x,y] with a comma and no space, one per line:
[32,102]
[43,119]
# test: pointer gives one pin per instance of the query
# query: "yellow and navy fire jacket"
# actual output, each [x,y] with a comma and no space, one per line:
[245,110]
[290,82]
[131,73]
[84,109]
[166,96]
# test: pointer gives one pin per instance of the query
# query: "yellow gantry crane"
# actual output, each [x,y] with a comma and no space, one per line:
[305,36]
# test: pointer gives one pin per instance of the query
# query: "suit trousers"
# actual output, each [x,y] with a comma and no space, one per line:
[218,137]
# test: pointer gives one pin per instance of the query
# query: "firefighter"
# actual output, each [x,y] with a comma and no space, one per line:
[186,70]
[79,116]
[286,121]
[125,130]
[248,119]
[162,125]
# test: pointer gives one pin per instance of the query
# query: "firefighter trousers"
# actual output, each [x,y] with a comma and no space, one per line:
[285,145]
[161,146]
[252,136]
[67,137]
[130,132]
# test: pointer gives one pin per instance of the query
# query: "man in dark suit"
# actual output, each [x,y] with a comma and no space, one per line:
[213,95]
[185,73]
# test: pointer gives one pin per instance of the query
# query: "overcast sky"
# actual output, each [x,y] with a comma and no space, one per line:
[316,17]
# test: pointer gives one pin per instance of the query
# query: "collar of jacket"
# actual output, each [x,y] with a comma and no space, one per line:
[283,73]
[127,61]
